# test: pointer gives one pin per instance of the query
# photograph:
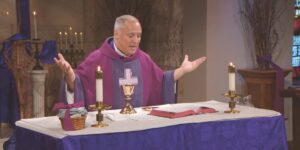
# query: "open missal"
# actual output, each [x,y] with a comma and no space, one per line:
[177,112]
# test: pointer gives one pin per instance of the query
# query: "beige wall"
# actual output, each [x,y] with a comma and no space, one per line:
[193,86]
[224,44]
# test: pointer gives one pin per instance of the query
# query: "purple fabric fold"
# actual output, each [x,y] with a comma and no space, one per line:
[278,104]
[78,91]
[168,87]
[67,122]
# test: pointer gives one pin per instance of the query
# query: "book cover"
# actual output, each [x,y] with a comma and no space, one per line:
[173,113]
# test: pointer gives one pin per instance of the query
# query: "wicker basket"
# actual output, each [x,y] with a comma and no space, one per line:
[78,122]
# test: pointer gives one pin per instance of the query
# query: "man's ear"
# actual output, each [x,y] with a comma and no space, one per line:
[116,34]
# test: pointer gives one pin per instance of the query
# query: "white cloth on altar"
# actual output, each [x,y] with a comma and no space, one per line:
[142,121]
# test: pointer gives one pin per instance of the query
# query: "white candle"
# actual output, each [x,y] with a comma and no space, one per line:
[34,25]
[76,39]
[60,40]
[99,85]
[71,35]
[231,72]
[81,40]
[66,39]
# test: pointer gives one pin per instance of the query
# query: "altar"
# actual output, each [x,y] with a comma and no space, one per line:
[252,128]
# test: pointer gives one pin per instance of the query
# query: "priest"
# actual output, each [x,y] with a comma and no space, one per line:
[122,61]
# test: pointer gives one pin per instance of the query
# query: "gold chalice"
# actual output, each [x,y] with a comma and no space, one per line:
[128,91]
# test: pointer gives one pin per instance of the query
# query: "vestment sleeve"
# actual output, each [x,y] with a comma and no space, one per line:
[168,87]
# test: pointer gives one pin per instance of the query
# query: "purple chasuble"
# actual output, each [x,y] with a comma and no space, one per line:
[154,86]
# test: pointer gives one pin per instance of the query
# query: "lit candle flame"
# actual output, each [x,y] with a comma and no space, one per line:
[34,13]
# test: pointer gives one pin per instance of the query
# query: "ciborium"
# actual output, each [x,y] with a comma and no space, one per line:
[128,91]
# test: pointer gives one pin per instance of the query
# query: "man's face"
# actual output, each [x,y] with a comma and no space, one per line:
[128,38]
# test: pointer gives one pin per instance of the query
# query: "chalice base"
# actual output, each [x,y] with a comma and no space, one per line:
[128,109]
[100,125]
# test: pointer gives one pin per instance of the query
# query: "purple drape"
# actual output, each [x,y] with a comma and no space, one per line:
[244,134]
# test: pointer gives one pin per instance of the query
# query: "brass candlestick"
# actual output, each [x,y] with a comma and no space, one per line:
[37,65]
[128,91]
[100,106]
[232,95]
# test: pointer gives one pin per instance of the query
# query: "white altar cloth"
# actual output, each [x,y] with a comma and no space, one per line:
[141,121]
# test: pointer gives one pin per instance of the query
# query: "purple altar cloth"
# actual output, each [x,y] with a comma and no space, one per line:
[243,134]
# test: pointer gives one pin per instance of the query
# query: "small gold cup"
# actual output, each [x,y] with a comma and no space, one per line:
[128,91]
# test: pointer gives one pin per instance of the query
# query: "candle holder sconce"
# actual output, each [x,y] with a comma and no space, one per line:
[72,54]
[232,95]
[100,106]
[36,43]
[70,47]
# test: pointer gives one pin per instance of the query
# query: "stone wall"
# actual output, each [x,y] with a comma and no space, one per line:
[8,23]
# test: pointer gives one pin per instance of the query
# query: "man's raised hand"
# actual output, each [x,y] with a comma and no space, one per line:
[63,65]
[66,68]
[187,66]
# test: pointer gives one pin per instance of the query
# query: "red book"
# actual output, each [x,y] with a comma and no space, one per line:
[181,113]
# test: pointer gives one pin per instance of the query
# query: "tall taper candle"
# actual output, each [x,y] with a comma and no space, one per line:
[71,35]
[231,72]
[34,24]
[60,40]
[66,38]
[81,40]
[76,39]
[99,85]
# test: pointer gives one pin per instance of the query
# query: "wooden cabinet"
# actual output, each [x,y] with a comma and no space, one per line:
[260,85]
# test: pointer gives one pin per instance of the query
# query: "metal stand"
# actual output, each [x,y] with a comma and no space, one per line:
[100,106]
[232,95]
[37,65]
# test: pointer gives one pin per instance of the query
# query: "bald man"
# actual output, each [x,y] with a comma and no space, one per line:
[121,60]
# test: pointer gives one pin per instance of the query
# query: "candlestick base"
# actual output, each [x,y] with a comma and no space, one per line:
[99,125]
[100,106]
[232,95]
[232,111]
